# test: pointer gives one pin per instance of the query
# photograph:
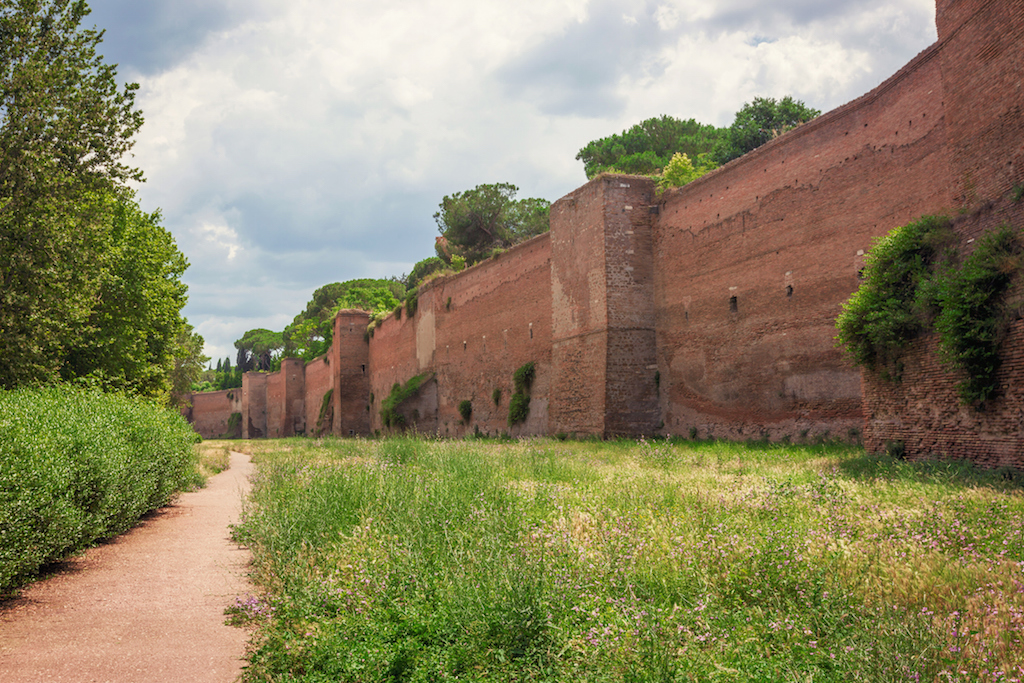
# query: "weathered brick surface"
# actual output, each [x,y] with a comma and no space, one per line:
[753,261]
[603,354]
[318,379]
[472,331]
[286,415]
[211,413]
[254,405]
[350,358]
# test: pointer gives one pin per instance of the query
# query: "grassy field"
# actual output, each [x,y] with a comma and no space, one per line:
[410,560]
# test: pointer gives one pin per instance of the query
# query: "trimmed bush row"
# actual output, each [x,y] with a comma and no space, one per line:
[78,466]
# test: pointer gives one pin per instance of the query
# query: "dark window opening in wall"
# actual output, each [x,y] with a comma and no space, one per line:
[463,346]
[364,368]
[686,315]
[531,332]
[789,291]
[351,432]
[733,304]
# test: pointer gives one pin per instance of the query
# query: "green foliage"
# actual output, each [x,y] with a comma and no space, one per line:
[680,170]
[477,221]
[892,305]
[65,130]
[418,560]
[648,147]
[257,349]
[133,333]
[518,409]
[465,410]
[972,318]
[411,302]
[758,122]
[522,378]
[325,417]
[389,407]
[913,284]
[1017,193]
[188,364]
[458,264]
[519,405]
[79,466]
[423,269]
[311,333]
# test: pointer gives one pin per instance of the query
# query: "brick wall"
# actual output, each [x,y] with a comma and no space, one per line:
[982,64]
[753,261]
[471,331]
[711,307]
[603,322]
[351,363]
[318,379]
[211,413]
[254,405]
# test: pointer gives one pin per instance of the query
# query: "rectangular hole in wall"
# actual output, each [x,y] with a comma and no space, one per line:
[733,305]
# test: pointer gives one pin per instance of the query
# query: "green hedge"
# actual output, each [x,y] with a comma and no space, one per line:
[79,466]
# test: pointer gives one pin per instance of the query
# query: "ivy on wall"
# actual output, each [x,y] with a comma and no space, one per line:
[916,281]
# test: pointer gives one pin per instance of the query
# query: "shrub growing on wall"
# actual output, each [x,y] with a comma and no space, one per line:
[400,393]
[972,318]
[914,283]
[519,405]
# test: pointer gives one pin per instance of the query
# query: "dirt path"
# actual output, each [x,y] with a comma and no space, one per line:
[147,607]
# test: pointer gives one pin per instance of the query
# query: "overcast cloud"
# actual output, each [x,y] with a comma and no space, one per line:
[294,144]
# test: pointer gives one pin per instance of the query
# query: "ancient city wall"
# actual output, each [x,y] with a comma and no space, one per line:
[710,309]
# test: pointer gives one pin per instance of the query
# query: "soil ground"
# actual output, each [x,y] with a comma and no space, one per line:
[146,607]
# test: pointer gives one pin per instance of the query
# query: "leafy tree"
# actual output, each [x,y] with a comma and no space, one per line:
[130,339]
[311,332]
[476,222]
[188,364]
[65,128]
[257,349]
[648,147]
[758,122]
[680,170]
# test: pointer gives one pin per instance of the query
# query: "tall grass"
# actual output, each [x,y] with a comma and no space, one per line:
[78,466]
[632,561]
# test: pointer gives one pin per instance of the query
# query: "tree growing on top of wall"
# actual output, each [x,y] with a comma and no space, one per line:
[758,122]
[648,147]
[477,222]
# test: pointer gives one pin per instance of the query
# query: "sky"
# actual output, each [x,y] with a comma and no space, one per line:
[293,144]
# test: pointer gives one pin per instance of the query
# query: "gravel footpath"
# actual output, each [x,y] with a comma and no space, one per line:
[147,607]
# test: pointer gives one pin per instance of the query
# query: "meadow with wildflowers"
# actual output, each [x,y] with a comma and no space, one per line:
[418,560]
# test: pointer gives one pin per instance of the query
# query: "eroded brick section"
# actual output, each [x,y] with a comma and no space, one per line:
[392,360]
